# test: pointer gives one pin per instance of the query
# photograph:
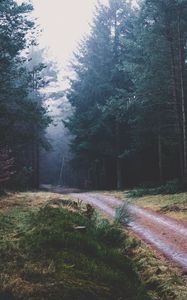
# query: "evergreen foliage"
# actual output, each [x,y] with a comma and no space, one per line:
[6,165]
[22,115]
[129,94]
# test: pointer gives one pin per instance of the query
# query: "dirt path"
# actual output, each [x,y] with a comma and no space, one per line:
[164,234]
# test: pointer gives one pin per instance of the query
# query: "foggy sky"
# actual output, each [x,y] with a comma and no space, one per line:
[64,24]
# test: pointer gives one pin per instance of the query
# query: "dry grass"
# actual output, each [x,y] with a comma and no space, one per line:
[29,199]
[174,205]
[161,280]
[43,256]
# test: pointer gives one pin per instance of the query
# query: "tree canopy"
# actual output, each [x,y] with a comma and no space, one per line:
[23,117]
[129,94]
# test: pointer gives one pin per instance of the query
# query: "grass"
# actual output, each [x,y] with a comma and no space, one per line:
[54,248]
[44,257]
[170,187]
[172,205]
[162,281]
[165,203]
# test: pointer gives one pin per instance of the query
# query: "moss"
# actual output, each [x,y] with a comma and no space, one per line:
[34,266]
[44,257]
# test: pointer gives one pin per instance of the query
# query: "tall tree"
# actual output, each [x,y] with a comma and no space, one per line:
[18,110]
[100,82]
[129,93]
[161,86]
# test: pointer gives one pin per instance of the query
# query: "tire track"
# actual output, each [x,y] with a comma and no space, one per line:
[167,236]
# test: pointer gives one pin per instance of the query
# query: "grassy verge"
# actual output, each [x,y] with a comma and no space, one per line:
[173,205]
[162,280]
[55,248]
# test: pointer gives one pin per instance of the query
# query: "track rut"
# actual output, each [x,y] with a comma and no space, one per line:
[164,234]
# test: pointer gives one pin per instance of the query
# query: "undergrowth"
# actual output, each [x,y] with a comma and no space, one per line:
[170,187]
[53,253]
[122,215]
[161,282]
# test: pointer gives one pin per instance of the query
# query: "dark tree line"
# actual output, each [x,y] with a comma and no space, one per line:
[22,115]
[129,94]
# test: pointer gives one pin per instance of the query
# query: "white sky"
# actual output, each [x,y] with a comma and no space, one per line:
[64,23]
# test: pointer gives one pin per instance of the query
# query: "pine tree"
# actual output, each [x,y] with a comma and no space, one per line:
[158,82]
[19,111]
[98,93]
[6,166]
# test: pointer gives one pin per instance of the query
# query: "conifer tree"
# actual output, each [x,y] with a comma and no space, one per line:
[100,83]
[19,111]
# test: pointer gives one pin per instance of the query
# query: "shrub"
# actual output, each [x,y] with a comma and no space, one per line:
[122,214]
[170,187]
[138,192]
[110,235]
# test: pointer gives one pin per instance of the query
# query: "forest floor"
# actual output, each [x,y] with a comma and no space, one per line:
[165,234]
[22,270]
[53,247]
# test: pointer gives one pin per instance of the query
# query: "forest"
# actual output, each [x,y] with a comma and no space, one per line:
[23,117]
[129,95]
[93,165]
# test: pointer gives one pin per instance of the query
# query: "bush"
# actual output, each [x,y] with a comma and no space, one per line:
[122,214]
[170,187]
[138,192]
[110,235]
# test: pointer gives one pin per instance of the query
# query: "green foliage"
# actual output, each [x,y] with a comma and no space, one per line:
[127,94]
[170,187]
[138,192]
[100,93]
[23,118]
[111,235]
[22,178]
[122,214]
[48,258]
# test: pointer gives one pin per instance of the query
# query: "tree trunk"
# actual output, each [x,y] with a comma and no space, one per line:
[160,158]
[33,163]
[182,84]
[97,175]
[177,107]
[119,174]
[119,166]
[61,171]
[37,165]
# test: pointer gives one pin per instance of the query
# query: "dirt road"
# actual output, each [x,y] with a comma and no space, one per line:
[164,234]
